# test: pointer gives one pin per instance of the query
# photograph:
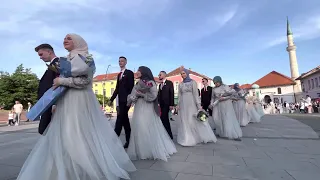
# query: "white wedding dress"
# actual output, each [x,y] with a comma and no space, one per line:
[149,139]
[224,115]
[190,130]
[79,143]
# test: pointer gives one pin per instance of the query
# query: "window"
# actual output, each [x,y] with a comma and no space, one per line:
[103,84]
[316,81]
[312,83]
[112,90]
[95,91]
[112,83]
[95,84]
[309,84]
[303,89]
[104,92]
[279,90]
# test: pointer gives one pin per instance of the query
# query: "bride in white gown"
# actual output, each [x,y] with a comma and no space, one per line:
[79,143]
[190,130]
[149,139]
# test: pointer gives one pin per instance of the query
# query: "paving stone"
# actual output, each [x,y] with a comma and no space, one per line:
[183,167]
[147,174]
[280,164]
[301,175]
[182,176]
[217,160]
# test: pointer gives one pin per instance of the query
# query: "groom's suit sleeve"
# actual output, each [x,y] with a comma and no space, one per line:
[116,91]
[130,82]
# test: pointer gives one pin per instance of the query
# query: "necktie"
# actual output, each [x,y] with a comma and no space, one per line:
[161,85]
[120,75]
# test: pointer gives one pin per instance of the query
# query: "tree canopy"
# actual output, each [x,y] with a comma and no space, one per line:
[22,85]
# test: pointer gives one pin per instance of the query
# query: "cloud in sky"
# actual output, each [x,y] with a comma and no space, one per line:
[212,37]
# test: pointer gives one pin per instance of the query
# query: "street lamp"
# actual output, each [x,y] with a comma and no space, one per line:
[103,91]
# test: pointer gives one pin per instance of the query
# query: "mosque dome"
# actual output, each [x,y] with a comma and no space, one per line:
[255,86]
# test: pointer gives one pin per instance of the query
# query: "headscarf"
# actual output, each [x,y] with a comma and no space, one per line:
[187,79]
[236,87]
[147,75]
[217,79]
[80,46]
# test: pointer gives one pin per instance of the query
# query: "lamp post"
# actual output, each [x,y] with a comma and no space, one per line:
[103,91]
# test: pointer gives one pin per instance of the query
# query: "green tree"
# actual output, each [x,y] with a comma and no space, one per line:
[100,99]
[22,85]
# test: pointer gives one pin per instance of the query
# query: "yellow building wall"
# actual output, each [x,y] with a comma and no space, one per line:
[109,87]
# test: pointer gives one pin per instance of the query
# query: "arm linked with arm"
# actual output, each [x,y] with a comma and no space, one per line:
[75,82]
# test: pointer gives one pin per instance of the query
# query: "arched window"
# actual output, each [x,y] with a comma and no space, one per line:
[279,90]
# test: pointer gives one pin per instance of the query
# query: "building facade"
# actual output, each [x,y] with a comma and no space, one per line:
[275,86]
[310,83]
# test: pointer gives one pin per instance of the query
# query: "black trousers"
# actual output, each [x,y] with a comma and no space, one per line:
[45,120]
[205,107]
[165,119]
[123,121]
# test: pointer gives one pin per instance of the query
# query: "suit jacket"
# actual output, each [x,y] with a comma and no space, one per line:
[46,81]
[206,96]
[124,86]
[166,94]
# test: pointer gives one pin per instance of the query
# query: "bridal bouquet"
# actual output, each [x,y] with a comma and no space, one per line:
[202,116]
[141,87]
[75,68]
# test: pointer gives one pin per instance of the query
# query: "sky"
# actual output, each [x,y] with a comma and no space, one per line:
[239,40]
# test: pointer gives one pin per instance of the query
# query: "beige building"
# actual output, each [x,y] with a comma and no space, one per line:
[310,83]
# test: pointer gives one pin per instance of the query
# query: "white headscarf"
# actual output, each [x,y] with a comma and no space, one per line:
[80,46]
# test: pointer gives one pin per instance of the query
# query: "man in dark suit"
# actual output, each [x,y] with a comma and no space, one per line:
[206,93]
[125,83]
[166,100]
[46,53]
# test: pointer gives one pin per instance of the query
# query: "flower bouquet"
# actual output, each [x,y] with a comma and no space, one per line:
[202,116]
[75,68]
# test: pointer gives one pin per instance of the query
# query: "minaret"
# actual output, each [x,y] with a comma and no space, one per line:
[293,62]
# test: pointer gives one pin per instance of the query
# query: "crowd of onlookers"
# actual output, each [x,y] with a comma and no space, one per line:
[304,106]
[14,115]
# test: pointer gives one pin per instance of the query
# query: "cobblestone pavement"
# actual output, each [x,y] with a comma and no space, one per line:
[278,148]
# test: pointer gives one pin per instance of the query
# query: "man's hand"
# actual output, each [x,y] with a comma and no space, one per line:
[171,107]
[54,107]
[56,83]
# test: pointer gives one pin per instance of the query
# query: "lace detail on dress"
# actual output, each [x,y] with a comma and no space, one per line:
[186,87]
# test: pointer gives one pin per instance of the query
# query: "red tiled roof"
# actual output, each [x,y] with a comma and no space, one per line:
[245,86]
[274,79]
[112,76]
[177,71]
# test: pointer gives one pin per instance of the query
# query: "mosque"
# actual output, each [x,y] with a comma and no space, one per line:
[276,86]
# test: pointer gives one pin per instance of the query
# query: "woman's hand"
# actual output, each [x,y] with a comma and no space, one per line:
[140,94]
[56,83]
